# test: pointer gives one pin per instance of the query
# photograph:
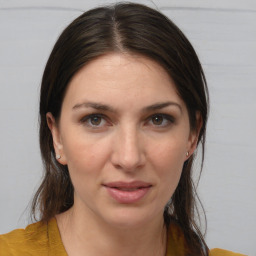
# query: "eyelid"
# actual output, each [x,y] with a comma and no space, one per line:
[86,117]
[167,116]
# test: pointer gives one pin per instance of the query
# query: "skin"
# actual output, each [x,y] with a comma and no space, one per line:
[126,140]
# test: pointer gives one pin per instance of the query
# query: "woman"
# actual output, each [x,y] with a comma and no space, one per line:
[123,108]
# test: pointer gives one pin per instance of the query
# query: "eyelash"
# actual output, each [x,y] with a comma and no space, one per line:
[168,119]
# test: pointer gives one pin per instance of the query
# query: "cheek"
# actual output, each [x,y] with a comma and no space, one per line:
[170,168]
[85,162]
[169,154]
[83,154]
[168,162]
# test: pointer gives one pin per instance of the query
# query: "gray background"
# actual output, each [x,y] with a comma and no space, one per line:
[224,35]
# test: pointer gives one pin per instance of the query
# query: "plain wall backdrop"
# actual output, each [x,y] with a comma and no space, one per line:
[224,36]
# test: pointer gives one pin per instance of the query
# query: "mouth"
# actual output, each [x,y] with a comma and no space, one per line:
[127,192]
[127,189]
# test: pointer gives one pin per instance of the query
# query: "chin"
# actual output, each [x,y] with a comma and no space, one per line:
[131,218]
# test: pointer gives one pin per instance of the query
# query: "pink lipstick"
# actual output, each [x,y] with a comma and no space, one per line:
[127,192]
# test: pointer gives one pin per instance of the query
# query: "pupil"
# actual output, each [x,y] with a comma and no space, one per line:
[95,120]
[157,120]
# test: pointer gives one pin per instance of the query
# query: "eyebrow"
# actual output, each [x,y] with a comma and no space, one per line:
[103,107]
[161,105]
[94,105]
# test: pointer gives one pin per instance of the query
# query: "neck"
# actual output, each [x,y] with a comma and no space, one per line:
[83,234]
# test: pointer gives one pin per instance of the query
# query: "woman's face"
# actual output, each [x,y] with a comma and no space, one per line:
[123,132]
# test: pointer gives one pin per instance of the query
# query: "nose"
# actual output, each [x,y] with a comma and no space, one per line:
[128,152]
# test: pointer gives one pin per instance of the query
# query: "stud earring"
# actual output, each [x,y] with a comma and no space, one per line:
[58,156]
[187,154]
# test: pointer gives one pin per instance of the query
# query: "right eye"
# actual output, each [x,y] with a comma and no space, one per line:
[94,121]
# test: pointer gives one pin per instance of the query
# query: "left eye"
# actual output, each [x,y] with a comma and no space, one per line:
[161,120]
[157,120]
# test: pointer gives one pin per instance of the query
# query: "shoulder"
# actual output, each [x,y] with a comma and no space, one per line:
[33,239]
[220,252]
[21,240]
[177,244]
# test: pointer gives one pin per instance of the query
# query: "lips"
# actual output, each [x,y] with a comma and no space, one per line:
[127,192]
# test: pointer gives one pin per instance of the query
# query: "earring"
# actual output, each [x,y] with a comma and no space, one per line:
[58,156]
[187,154]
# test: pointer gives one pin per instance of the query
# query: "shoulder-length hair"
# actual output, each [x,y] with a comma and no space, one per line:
[125,28]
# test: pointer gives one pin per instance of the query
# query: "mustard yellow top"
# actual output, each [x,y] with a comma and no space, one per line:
[40,239]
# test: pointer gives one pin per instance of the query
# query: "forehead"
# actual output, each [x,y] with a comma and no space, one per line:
[119,79]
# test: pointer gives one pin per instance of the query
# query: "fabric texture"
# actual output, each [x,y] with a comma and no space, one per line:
[40,239]
[37,239]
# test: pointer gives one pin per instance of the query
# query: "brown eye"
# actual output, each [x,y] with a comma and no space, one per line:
[157,120]
[161,120]
[95,120]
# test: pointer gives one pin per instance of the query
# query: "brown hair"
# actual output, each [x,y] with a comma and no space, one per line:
[130,28]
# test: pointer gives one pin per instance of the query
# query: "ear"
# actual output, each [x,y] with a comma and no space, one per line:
[57,142]
[193,136]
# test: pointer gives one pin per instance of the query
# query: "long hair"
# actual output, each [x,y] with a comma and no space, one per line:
[124,28]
